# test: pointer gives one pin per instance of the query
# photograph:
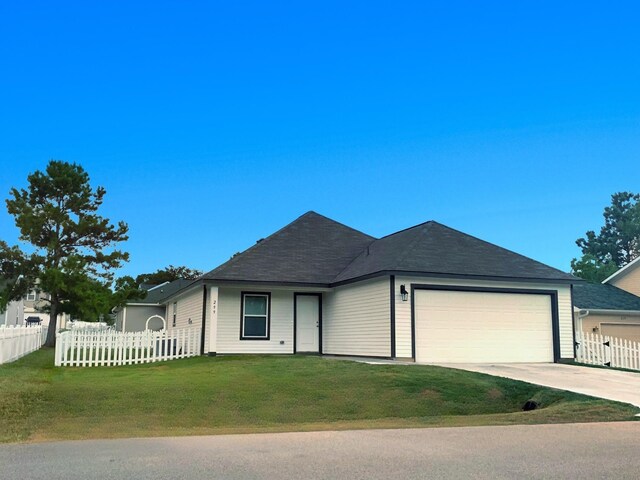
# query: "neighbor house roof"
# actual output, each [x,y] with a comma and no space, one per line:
[629,267]
[597,296]
[432,248]
[161,292]
[312,249]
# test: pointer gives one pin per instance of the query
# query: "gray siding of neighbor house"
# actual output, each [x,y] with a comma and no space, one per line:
[136,317]
[13,315]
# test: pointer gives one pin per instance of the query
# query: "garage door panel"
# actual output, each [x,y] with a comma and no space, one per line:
[454,326]
[627,331]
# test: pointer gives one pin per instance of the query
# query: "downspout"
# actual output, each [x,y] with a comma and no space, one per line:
[582,314]
[124,317]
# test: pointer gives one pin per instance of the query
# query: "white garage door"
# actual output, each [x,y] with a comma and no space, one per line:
[621,330]
[482,327]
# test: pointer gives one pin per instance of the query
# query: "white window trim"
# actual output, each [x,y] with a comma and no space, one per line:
[266,295]
[32,293]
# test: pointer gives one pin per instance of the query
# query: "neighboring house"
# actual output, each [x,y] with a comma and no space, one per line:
[627,278]
[29,307]
[428,293]
[613,307]
[149,313]
[13,314]
[607,310]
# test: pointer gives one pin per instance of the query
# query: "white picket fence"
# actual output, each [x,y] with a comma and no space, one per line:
[17,341]
[596,349]
[91,348]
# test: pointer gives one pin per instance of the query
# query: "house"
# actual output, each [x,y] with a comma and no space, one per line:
[627,278]
[606,309]
[612,308]
[30,307]
[428,293]
[150,313]
[13,314]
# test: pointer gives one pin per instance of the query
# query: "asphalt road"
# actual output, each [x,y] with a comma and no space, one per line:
[580,451]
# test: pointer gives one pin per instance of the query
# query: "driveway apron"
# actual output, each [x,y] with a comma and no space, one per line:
[597,382]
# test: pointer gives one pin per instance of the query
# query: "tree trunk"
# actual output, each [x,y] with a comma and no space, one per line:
[53,324]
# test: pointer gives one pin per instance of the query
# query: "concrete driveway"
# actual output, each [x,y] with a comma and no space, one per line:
[597,382]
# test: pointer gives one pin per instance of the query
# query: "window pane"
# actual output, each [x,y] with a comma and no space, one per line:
[254,305]
[255,326]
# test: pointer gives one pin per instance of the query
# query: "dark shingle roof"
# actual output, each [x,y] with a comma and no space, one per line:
[432,248]
[312,249]
[597,296]
[158,294]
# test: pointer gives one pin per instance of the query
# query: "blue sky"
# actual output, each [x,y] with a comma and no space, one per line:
[212,125]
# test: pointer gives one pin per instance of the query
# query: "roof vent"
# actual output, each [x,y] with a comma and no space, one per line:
[259,240]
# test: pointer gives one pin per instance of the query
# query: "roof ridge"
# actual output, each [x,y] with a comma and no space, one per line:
[338,223]
[236,258]
[498,246]
[413,242]
[405,252]
[355,258]
[408,228]
[264,241]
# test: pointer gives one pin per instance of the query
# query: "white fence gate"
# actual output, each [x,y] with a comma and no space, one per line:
[17,341]
[595,349]
[91,348]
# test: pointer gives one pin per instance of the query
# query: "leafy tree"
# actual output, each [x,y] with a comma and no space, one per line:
[126,289]
[15,269]
[72,246]
[168,274]
[617,243]
[592,270]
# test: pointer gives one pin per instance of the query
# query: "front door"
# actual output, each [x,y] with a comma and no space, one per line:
[307,323]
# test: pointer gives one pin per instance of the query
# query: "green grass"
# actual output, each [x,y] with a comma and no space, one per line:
[207,395]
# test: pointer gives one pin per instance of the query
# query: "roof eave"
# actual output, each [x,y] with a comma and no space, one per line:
[610,311]
[179,292]
[457,276]
[223,281]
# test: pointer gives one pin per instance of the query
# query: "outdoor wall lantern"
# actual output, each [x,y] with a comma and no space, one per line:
[403,293]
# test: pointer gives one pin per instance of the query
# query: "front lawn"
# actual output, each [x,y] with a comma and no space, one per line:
[210,395]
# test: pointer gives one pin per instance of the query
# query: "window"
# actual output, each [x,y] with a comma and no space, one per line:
[254,316]
[31,296]
[175,314]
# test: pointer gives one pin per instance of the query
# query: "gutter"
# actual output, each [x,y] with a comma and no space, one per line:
[604,311]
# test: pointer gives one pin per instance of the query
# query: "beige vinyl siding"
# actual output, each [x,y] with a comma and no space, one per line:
[629,281]
[189,309]
[356,319]
[403,309]
[281,322]
[630,331]
[619,330]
